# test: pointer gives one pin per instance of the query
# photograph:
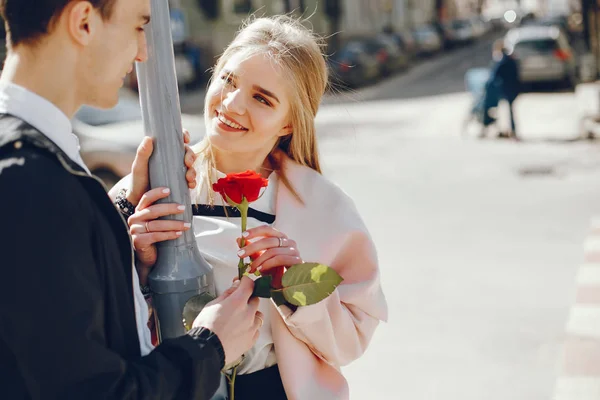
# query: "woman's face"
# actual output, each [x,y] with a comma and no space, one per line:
[248,106]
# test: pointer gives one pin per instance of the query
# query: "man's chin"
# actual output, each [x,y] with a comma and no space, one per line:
[105,103]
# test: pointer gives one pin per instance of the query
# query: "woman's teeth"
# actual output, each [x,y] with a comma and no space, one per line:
[229,123]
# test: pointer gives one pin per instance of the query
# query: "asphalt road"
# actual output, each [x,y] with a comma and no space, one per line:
[479,240]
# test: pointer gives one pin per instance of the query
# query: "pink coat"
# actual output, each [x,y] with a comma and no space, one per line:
[315,341]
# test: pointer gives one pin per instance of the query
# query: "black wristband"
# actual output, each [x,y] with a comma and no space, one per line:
[206,336]
[126,208]
[146,291]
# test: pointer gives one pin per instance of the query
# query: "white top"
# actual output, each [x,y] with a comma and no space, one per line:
[55,125]
[216,239]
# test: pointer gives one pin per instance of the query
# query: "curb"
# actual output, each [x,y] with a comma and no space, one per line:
[579,377]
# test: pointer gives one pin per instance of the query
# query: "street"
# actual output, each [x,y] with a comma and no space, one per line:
[479,240]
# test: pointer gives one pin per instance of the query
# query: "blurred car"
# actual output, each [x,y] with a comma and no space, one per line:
[478,27]
[353,66]
[543,54]
[427,39]
[406,41]
[460,31]
[109,138]
[397,59]
[445,33]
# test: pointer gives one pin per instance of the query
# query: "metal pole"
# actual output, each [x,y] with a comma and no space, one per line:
[182,281]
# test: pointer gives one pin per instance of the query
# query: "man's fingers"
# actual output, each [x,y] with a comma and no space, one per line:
[190,177]
[231,290]
[245,288]
[139,169]
[190,157]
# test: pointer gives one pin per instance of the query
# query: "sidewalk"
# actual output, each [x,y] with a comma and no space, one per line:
[579,377]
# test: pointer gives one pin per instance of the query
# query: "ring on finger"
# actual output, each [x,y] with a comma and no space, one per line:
[261,320]
[147,227]
[281,242]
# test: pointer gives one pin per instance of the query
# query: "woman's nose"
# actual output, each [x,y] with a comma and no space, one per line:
[234,103]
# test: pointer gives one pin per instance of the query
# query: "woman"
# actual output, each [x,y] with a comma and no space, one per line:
[260,113]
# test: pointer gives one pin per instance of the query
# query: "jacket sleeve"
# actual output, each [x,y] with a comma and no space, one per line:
[52,317]
[339,328]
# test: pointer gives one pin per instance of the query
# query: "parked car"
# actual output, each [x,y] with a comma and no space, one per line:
[353,66]
[478,27]
[427,39]
[406,41]
[460,31]
[543,54]
[397,58]
[109,138]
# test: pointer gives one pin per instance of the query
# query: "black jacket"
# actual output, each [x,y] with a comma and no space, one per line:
[67,321]
[505,74]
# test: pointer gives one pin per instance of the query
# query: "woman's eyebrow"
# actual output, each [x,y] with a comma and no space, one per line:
[258,88]
[266,92]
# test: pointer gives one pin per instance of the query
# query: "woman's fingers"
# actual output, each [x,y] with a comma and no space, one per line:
[154,212]
[264,230]
[277,262]
[146,240]
[152,196]
[159,226]
[186,136]
[265,244]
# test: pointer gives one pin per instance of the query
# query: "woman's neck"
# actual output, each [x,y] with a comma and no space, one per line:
[231,163]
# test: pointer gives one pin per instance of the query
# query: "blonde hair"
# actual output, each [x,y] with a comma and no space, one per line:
[297,51]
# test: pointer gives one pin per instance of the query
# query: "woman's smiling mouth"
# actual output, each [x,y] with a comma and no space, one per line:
[229,123]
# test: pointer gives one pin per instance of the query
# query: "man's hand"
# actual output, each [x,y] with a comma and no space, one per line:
[140,175]
[234,318]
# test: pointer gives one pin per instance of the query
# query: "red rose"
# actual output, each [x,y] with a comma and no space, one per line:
[238,186]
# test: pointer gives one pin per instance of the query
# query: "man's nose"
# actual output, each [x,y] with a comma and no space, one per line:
[142,54]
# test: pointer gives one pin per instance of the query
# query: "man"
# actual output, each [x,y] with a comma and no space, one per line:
[67,321]
[505,76]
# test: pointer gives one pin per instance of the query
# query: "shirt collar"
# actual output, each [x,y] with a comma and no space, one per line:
[42,115]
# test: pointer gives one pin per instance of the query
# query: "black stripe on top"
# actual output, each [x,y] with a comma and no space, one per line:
[205,210]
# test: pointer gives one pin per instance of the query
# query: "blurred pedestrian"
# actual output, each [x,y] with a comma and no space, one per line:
[504,77]
[260,113]
[70,294]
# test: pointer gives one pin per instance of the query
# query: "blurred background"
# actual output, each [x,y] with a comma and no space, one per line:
[487,246]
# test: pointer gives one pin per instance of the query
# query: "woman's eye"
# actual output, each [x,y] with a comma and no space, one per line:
[262,100]
[227,79]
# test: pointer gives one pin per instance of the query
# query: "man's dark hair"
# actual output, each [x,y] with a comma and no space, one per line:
[27,21]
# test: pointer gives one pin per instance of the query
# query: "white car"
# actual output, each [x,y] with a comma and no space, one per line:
[543,54]
[109,138]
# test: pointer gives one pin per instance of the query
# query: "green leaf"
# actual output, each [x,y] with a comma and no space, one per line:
[262,287]
[309,283]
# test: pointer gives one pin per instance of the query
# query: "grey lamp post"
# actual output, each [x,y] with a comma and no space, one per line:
[182,281]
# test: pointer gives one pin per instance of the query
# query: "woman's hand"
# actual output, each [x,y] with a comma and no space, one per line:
[140,177]
[147,230]
[271,252]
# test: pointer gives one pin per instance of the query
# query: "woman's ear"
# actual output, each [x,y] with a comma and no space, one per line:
[286,130]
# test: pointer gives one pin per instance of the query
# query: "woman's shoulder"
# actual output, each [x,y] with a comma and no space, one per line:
[313,187]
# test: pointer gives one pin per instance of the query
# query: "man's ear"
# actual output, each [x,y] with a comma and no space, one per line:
[82,20]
